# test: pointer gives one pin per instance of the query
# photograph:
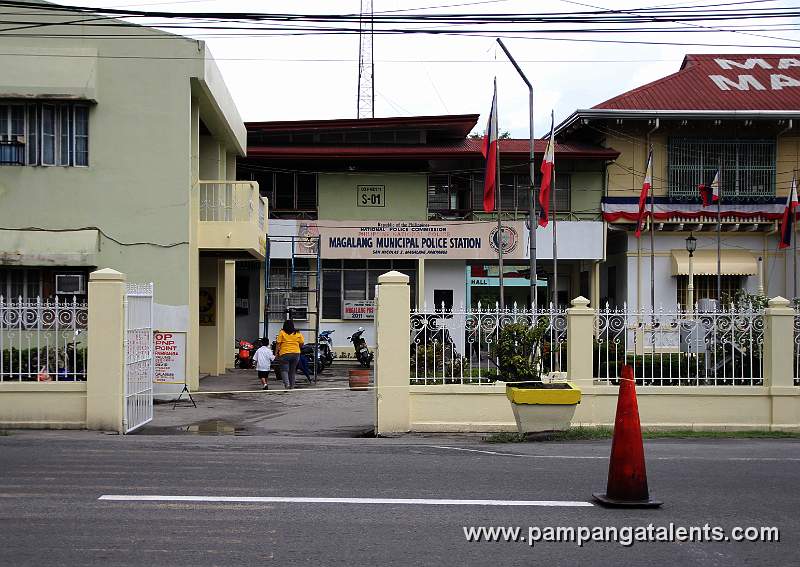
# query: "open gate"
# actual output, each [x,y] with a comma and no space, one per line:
[139,359]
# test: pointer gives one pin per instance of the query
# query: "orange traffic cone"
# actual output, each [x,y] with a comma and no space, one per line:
[627,477]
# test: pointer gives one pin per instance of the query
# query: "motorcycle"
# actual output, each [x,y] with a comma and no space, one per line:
[326,353]
[363,354]
[312,354]
[244,354]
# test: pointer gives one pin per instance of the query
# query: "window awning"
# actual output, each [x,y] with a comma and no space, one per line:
[45,248]
[734,263]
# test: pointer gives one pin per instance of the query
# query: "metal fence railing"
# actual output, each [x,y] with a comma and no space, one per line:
[43,340]
[455,346]
[678,348]
[796,344]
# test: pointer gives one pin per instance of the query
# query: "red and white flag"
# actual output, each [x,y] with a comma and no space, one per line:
[490,153]
[789,213]
[710,193]
[548,163]
[646,186]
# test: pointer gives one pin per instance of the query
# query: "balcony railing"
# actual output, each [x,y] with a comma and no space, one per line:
[228,201]
[232,216]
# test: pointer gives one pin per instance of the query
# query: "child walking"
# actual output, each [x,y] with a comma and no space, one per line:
[263,360]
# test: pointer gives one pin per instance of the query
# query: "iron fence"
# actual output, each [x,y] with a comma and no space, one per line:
[43,340]
[680,348]
[796,343]
[455,346]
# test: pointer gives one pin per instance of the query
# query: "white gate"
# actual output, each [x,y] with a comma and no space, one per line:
[139,357]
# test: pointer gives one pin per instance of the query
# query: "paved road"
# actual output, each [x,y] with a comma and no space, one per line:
[50,514]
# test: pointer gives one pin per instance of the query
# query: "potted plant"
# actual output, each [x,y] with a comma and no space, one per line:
[537,406]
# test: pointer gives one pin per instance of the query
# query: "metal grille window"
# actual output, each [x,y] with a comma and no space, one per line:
[449,193]
[25,283]
[747,168]
[44,134]
[705,287]
[516,190]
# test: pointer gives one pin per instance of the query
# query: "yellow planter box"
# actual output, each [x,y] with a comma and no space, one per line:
[544,396]
[543,409]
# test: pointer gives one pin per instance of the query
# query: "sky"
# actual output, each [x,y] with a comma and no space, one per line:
[315,77]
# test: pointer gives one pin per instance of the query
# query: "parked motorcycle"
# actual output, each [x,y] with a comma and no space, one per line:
[326,353]
[363,354]
[244,354]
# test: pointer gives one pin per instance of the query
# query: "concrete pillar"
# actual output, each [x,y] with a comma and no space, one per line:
[580,341]
[105,381]
[229,309]
[779,364]
[393,362]
[260,295]
[193,336]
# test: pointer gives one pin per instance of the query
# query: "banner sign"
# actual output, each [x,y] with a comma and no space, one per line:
[358,310]
[466,240]
[170,357]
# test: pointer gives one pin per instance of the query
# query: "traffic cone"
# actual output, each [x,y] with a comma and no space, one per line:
[627,477]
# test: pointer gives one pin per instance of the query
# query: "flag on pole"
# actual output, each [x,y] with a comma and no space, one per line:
[548,161]
[490,153]
[648,182]
[710,193]
[787,222]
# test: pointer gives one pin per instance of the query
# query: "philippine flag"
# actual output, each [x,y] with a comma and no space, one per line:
[490,153]
[648,182]
[710,193]
[787,222]
[548,163]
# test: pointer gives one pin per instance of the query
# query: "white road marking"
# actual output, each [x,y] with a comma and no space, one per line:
[313,500]
[527,456]
[497,453]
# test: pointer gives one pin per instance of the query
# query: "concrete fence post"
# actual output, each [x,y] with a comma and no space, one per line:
[393,362]
[779,363]
[105,378]
[580,341]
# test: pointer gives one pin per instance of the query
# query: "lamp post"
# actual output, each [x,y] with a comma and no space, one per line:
[691,246]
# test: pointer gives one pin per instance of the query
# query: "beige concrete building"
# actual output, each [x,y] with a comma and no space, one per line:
[118,150]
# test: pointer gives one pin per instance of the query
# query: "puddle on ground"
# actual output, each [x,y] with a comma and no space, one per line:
[213,427]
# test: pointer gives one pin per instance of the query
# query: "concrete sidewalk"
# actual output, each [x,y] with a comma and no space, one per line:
[236,404]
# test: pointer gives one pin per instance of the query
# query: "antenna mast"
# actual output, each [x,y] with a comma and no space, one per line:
[365,105]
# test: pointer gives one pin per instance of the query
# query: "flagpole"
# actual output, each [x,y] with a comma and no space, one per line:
[498,200]
[555,234]
[719,238]
[794,233]
[652,239]
[532,221]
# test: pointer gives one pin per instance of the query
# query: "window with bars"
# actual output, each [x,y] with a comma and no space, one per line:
[705,287]
[44,134]
[355,280]
[515,192]
[20,282]
[747,168]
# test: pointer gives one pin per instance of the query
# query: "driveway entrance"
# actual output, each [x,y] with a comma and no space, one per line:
[234,403]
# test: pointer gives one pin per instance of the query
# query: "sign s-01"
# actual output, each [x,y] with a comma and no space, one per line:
[371,196]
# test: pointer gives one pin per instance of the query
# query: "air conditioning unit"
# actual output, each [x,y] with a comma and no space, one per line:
[298,313]
[70,284]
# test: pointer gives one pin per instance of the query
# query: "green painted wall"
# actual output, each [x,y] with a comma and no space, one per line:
[405,196]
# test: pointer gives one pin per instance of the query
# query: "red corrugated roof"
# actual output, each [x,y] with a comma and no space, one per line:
[458,125]
[468,148]
[720,82]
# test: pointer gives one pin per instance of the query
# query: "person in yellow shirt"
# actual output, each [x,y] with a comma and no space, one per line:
[289,343]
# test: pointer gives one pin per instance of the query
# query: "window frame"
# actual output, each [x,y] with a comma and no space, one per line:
[37,141]
[369,294]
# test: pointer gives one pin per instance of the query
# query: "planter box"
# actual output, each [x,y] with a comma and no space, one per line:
[543,407]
